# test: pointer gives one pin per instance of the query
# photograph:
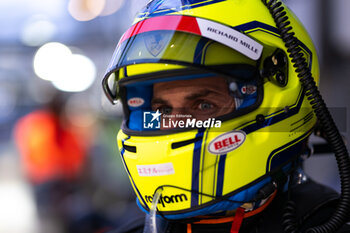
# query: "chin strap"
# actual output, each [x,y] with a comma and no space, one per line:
[237,219]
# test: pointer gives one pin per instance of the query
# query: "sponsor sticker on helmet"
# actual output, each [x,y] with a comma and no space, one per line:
[231,38]
[135,102]
[226,142]
[248,89]
[168,200]
[161,169]
[155,43]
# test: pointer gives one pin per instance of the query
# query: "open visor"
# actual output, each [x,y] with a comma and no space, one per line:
[173,48]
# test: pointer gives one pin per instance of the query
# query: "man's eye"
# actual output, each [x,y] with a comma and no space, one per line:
[205,106]
[165,109]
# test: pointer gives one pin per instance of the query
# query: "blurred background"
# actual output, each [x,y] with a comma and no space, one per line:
[53,54]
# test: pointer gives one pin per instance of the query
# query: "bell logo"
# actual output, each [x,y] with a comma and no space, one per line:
[248,89]
[136,102]
[226,142]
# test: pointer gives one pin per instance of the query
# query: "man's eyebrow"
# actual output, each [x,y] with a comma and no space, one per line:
[159,101]
[200,94]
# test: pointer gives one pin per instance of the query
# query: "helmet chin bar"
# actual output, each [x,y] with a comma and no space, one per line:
[262,193]
[153,224]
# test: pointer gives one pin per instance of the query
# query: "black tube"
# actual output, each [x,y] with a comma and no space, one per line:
[341,214]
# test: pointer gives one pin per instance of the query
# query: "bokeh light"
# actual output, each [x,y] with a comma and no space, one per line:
[85,10]
[50,60]
[37,31]
[112,6]
[18,211]
[79,74]
[67,72]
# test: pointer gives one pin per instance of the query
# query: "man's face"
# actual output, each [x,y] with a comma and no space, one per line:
[201,98]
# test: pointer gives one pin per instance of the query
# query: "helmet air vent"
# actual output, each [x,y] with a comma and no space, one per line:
[176,145]
[130,148]
[275,68]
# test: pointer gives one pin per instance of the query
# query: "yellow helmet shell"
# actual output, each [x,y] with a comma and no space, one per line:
[199,169]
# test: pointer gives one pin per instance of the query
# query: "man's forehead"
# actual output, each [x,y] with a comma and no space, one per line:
[209,83]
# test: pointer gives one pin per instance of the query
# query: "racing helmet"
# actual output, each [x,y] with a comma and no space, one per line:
[205,166]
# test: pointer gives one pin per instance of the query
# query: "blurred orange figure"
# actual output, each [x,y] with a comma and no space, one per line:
[49,151]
